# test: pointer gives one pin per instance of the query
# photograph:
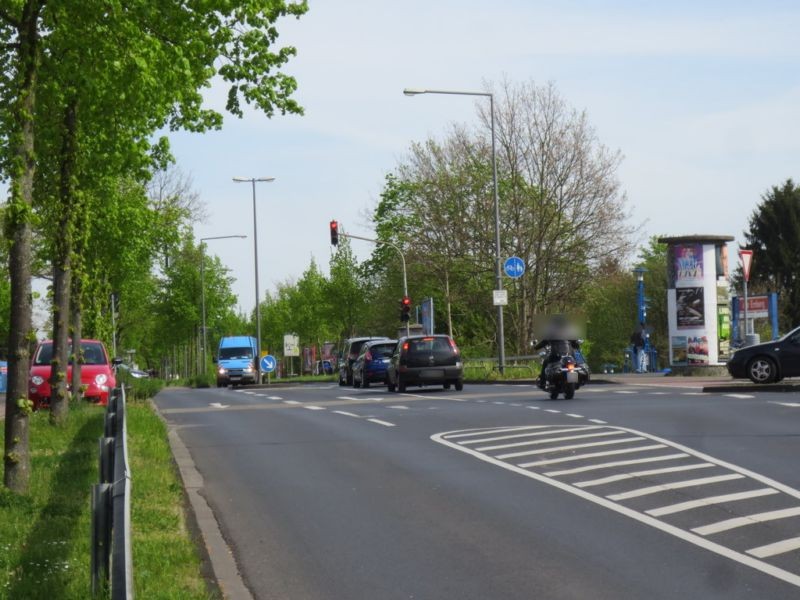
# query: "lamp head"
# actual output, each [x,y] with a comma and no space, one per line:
[413,91]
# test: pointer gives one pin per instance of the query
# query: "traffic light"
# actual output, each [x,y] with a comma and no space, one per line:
[405,308]
[334,233]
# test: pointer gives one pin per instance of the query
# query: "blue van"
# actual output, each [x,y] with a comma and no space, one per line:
[237,361]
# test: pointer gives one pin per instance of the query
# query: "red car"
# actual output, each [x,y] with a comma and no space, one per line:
[97,373]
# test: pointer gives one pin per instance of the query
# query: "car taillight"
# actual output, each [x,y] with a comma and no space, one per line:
[453,345]
[405,346]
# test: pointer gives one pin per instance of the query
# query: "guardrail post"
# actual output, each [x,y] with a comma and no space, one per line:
[101,536]
[106,459]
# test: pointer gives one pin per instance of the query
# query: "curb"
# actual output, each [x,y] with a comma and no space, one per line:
[778,387]
[220,556]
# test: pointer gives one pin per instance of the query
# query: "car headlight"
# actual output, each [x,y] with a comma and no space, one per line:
[37,380]
[248,369]
[222,371]
[100,379]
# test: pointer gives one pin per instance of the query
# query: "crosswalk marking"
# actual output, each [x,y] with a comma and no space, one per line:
[569,447]
[682,506]
[776,548]
[554,461]
[528,434]
[617,463]
[646,473]
[550,439]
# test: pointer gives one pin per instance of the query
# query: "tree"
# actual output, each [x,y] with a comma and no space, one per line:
[774,237]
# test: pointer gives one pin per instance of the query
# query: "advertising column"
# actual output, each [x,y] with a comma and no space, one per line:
[697,300]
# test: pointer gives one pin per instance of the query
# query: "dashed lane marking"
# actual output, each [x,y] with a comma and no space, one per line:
[346,414]
[291,402]
[574,416]
[740,396]
[379,422]
[697,502]
[789,404]
[598,421]
[312,407]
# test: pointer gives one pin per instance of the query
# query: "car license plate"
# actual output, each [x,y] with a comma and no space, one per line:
[432,373]
[572,377]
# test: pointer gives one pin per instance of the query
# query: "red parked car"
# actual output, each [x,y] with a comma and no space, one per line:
[97,373]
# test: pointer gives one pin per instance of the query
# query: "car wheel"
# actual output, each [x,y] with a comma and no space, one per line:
[762,370]
[401,385]
[459,386]
[446,385]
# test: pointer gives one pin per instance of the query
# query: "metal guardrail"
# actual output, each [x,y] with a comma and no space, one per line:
[111,564]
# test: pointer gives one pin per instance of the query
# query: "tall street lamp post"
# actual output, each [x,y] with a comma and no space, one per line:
[253,181]
[501,342]
[203,283]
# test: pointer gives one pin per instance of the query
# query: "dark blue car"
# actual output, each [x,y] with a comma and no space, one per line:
[370,366]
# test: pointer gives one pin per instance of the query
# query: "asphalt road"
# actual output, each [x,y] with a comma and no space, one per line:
[625,492]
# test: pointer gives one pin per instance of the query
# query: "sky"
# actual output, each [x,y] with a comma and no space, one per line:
[701,98]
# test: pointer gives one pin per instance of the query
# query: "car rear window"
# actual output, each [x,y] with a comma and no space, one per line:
[230,353]
[382,350]
[436,347]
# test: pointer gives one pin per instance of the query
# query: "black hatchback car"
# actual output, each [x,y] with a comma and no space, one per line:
[768,362]
[425,360]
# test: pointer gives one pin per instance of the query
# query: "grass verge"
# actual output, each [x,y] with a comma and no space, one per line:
[45,534]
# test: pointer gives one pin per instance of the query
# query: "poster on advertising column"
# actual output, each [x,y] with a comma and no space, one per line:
[690,307]
[685,264]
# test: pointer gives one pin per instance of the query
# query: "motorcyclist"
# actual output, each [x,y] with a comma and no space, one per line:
[562,340]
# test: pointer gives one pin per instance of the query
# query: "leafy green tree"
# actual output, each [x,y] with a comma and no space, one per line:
[774,237]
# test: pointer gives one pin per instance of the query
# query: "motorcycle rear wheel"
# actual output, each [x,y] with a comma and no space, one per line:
[569,391]
[554,393]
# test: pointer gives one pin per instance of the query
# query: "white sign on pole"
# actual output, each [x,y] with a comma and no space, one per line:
[291,345]
[500,297]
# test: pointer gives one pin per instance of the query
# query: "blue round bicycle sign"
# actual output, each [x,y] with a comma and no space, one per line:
[514,267]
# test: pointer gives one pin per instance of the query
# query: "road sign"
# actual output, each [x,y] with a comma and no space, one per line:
[268,363]
[514,267]
[500,297]
[291,345]
[747,259]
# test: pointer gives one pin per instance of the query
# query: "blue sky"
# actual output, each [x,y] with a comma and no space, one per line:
[702,99]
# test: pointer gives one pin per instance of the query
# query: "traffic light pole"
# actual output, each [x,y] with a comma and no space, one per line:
[402,258]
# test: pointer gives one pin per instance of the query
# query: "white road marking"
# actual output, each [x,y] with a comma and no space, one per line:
[498,402]
[781,547]
[552,410]
[598,421]
[623,476]
[315,407]
[346,414]
[515,404]
[399,407]
[274,397]
[535,407]
[348,398]
[379,422]
[555,461]
[626,392]
[550,439]
[291,402]
[656,393]
[789,404]
[648,517]
[547,431]
[617,463]
[574,416]
[682,506]
[499,430]
[219,405]
[570,447]
[694,394]
[748,520]
[654,489]
[481,401]
[742,396]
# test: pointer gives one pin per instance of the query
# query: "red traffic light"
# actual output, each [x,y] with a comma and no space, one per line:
[406,302]
[334,233]
[405,308]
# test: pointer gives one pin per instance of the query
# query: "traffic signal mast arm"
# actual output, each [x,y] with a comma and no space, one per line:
[382,243]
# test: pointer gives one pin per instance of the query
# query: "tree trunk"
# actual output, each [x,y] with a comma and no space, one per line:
[62,272]
[16,453]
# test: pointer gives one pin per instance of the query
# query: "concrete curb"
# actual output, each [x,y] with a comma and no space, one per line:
[744,387]
[220,556]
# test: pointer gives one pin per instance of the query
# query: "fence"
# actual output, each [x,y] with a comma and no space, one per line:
[112,565]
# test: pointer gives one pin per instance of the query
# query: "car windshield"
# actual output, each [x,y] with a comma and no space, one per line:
[93,354]
[235,353]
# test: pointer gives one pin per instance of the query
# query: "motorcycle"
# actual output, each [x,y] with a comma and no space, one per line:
[564,376]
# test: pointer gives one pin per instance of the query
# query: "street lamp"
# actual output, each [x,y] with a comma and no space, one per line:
[641,315]
[203,283]
[253,181]
[498,272]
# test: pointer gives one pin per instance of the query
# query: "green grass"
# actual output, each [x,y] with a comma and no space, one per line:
[45,534]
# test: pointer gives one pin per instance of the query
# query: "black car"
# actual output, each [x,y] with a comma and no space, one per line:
[349,354]
[426,360]
[372,362]
[768,362]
